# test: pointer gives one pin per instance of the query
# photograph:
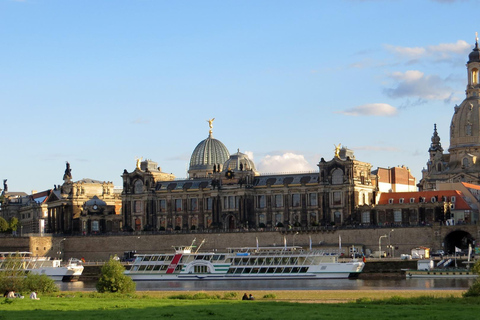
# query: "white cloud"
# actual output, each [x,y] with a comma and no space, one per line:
[249,154]
[414,83]
[440,52]
[287,162]
[371,109]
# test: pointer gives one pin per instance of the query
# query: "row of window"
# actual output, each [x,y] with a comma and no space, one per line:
[267,270]
[423,200]
[277,200]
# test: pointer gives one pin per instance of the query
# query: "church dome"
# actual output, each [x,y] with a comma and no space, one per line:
[208,153]
[474,56]
[239,162]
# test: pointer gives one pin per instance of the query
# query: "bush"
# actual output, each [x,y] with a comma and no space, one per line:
[230,295]
[113,279]
[474,290]
[3,225]
[270,296]
[39,283]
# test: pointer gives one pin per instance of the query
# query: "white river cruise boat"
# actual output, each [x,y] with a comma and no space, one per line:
[242,264]
[53,268]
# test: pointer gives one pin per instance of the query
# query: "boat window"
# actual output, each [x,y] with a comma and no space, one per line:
[154,258]
[261,261]
[263,270]
[271,270]
[287,270]
[303,270]
[295,270]
[161,258]
[277,261]
[199,257]
[138,259]
[268,261]
[231,270]
[164,267]
[157,267]
[228,260]
[279,270]
[149,267]
[293,261]
[179,267]
[285,260]
[134,268]
[142,268]
[245,261]
[168,258]
[247,270]
[255,270]
[238,270]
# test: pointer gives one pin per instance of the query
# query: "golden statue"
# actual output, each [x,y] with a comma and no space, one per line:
[139,160]
[337,150]
[210,124]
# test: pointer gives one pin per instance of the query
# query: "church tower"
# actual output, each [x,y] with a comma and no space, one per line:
[461,163]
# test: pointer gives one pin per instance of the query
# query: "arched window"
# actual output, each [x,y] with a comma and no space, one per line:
[138,186]
[337,176]
[474,76]
[465,162]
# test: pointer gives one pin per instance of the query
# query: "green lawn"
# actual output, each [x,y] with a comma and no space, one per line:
[87,306]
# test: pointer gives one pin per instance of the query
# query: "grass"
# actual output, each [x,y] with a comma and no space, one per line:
[227,305]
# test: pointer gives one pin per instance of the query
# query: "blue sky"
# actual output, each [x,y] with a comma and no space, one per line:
[99,83]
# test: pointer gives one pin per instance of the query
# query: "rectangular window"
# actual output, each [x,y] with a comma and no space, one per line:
[178,204]
[337,198]
[193,204]
[137,206]
[295,200]
[162,206]
[278,201]
[366,217]
[95,226]
[397,216]
[312,197]
[261,202]
[231,202]
[208,203]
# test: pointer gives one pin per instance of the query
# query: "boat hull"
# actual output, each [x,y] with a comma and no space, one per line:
[443,274]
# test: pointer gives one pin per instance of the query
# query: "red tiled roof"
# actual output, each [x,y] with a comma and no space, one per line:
[460,203]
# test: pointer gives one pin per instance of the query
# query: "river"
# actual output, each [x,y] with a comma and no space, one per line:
[320,284]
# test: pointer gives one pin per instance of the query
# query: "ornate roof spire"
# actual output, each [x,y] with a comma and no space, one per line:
[435,145]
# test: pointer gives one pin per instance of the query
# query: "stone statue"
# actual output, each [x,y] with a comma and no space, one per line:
[5,186]
[337,150]
[210,125]
[68,172]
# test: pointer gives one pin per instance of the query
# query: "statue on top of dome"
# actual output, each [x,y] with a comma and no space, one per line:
[210,124]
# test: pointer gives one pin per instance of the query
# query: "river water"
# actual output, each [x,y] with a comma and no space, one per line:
[320,284]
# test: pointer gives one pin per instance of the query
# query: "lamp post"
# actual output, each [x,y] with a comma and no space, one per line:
[389,242]
[294,238]
[60,248]
[380,245]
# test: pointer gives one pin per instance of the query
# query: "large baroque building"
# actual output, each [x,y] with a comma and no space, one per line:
[224,191]
[461,163]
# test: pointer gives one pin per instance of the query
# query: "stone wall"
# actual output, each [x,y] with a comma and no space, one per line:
[94,248]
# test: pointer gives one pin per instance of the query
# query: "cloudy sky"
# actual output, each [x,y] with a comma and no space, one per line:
[99,83]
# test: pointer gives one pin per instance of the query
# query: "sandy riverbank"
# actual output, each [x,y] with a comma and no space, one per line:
[321,296]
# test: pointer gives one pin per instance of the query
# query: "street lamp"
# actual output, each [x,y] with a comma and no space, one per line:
[60,248]
[389,242]
[380,245]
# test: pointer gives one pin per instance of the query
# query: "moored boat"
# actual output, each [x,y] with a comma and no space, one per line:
[426,269]
[53,268]
[242,264]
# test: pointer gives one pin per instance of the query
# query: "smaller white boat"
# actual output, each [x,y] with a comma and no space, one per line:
[426,269]
[53,268]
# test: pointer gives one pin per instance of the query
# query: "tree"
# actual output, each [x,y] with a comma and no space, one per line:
[3,225]
[13,224]
[113,279]
[474,290]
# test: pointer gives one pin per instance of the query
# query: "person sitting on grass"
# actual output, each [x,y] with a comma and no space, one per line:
[33,296]
[251,297]
[245,297]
